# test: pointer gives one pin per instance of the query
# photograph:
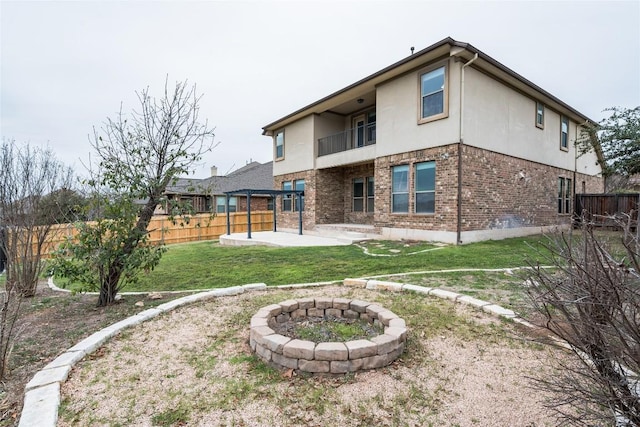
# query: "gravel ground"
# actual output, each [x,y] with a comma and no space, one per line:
[193,367]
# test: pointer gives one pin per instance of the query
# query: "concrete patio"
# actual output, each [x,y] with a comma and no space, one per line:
[290,237]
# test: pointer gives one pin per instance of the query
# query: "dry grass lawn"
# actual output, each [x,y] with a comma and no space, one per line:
[194,367]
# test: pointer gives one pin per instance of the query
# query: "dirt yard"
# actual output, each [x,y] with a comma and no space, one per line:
[193,366]
[50,323]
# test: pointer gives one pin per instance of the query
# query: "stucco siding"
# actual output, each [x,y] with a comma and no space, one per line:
[501,119]
[298,148]
[397,104]
[327,124]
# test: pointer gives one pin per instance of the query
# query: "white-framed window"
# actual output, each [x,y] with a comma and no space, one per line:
[221,203]
[400,189]
[540,115]
[564,133]
[298,185]
[279,144]
[433,94]
[425,187]
[287,198]
[565,191]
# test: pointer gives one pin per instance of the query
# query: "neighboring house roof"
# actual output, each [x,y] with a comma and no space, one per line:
[253,176]
[445,47]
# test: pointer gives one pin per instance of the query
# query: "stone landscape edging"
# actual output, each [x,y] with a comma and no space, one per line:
[42,393]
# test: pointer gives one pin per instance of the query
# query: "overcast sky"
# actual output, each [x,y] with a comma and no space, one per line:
[66,66]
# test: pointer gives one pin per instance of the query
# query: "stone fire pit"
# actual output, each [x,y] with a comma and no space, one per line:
[327,357]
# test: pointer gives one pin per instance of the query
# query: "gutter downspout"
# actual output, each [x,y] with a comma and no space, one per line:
[460,144]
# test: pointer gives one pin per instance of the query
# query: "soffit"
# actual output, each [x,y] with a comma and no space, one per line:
[343,101]
[340,101]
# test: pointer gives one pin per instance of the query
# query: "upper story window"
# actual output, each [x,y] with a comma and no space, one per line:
[400,189]
[564,133]
[425,187]
[279,141]
[433,94]
[540,115]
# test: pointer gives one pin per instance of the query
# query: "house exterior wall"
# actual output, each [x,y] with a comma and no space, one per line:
[509,169]
[289,219]
[299,153]
[328,196]
[501,191]
[501,119]
[445,217]
[326,124]
[397,103]
[351,173]
[502,196]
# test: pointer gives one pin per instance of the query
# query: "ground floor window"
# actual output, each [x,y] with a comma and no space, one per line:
[287,198]
[358,194]
[425,187]
[414,192]
[565,190]
[290,201]
[370,194]
[363,195]
[221,203]
[400,189]
[298,186]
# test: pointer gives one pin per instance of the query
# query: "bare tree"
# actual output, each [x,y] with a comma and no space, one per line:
[591,300]
[139,155]
[28,176]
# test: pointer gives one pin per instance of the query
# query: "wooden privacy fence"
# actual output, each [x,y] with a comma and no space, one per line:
[163,230]
[601,210]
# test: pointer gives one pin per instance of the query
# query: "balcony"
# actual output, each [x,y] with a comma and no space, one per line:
[360,136]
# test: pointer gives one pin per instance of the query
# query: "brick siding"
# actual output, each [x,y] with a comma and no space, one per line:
[289,219]
[499,192]
[445,216]
[350,173]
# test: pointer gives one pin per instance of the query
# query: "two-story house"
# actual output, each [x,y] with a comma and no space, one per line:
[447,144]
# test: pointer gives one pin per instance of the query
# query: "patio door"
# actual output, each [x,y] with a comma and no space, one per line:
[359,125]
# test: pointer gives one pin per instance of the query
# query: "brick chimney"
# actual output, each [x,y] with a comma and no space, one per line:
[214,171]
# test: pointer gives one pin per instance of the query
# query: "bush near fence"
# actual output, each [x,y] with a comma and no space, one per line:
[164,230]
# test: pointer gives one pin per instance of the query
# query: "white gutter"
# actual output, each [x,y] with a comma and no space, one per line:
[462,95]
[461,141]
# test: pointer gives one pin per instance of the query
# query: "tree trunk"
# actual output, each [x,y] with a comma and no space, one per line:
[109,287]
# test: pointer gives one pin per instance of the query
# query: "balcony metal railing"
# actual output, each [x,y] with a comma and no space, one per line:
[349,139]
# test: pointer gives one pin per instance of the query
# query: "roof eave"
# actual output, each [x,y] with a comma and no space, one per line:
[578,116]
[309,109]
[399,67]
